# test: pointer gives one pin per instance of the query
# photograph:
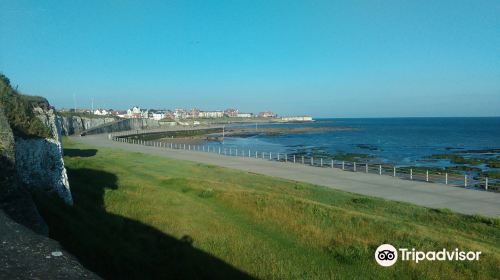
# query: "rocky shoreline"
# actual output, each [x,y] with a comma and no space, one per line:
[271,131]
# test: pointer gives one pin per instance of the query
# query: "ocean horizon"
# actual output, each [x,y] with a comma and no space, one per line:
[400,141]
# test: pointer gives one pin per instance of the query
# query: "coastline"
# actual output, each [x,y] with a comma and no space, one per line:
[359,141]
[368,184]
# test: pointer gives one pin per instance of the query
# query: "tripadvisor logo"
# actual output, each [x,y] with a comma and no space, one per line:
[386,255]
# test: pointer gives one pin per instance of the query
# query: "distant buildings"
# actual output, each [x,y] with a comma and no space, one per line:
[232,113]
[169,115]
[211,114]
[156,114]
[120,114]
[267,114]
[101,112]
[180,113]
[244,115]
[137,113]
[177,114]
[195,113]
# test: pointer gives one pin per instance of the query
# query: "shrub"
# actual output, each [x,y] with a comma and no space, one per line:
[18,109]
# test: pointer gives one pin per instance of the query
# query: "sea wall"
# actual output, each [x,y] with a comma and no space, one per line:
[123,125]
[76,124]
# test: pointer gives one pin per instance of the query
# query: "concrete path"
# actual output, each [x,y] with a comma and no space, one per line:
[420,193]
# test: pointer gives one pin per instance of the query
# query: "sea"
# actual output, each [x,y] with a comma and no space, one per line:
[395,141]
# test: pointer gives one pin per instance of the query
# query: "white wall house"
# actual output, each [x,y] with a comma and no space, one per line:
[211,114]
[101,112]
[133,111]
[158,116]
[180,113]
[244,115]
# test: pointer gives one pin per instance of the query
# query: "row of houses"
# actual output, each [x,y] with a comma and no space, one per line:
[181,114]
[194,113]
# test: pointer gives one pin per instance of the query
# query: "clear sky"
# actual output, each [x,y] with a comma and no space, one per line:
[322,58]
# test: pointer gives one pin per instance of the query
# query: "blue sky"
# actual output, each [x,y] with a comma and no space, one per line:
[322,58]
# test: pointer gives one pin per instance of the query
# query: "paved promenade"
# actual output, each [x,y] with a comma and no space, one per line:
[420,193]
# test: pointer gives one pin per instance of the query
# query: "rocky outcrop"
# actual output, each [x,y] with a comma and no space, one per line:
[30,154]
[39,161]
[31,158]
[15,199]
[76,124]
[40,166]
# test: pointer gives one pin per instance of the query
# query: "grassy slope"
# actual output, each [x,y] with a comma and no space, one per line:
[266,227]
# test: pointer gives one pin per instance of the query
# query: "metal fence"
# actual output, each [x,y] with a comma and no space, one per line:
[407,173]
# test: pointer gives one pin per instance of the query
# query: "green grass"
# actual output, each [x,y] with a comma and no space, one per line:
[141,216]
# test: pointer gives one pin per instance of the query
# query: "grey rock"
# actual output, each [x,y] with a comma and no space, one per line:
[15,200]
[27,255]
[76,124]
[39,161]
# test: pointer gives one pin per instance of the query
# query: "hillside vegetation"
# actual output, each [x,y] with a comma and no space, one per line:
[138,216]
[18,109]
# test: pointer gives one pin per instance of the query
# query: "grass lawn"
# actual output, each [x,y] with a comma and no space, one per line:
[138,216]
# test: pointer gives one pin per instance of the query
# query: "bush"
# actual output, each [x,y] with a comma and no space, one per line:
[18,109]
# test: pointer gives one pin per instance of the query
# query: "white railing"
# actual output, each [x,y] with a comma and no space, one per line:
[408,173]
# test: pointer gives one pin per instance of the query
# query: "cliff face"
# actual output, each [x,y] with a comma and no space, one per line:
[39,161]
[31,158]
[93,125]
[15,199]
[30,155]
[76,124]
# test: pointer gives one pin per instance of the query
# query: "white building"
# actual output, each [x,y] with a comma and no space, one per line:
[137,113]
[121,114]
[101,112]
[158,116]
[244,115]
[211,114]
[133,111]
[180,113]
